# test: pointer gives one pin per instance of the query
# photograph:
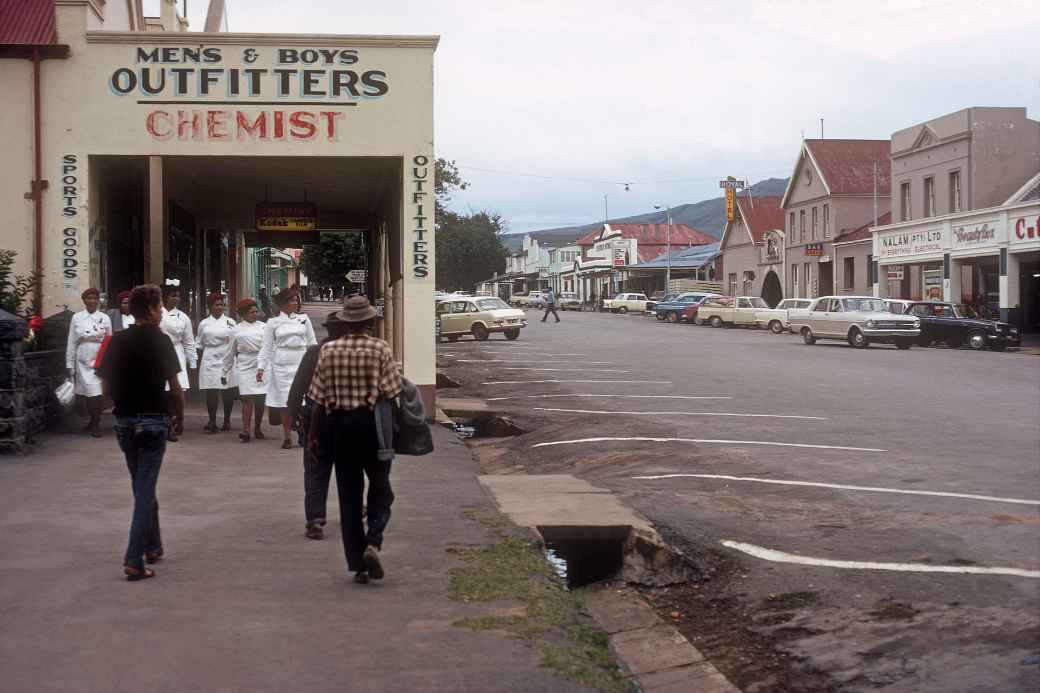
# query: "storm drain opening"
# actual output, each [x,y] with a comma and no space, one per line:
[583,555]
[486,425]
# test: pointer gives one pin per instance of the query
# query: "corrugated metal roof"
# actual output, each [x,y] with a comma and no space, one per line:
[27,23]
[848,165]
[653,234]
[697,256]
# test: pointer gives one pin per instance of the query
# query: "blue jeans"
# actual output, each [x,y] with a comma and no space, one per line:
[143,442]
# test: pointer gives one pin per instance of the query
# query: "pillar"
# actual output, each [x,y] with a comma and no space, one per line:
[880,286]
[951,279]
[156,222]
[1010,271]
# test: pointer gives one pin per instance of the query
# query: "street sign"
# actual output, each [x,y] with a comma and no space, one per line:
[732,183]
[358,276]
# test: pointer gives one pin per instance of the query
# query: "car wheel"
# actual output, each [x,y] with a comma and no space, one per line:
[661,316]
[977,340]
[512,334]
[715,321]
[776,327]
[904,344]
[807,336]
[998,345]
[857,339]
[673,317]
[453,338]
[622,310]
[480,333]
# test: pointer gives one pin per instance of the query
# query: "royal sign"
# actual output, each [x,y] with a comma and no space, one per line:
[286,216]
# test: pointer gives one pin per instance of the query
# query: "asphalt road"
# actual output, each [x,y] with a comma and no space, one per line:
[919,422]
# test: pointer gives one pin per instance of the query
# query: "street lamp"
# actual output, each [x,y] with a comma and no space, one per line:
[668,254]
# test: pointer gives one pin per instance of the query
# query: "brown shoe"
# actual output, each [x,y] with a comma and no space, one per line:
[361,577]
[314,531]
[372,562]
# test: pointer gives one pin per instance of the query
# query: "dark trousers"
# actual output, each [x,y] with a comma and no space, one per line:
[214,397]
[143,442]
[550,308]
[349,442]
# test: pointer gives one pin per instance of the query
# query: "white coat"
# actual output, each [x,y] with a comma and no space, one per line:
[214,341]
[177,327]
[86,332]
[240,359]
[286,338]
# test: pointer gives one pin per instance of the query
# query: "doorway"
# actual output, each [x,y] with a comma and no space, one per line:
[826,286]
[772,292]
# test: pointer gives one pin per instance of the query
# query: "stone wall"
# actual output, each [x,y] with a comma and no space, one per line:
[12,383]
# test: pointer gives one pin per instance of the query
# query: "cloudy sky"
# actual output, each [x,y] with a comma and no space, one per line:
[550,105]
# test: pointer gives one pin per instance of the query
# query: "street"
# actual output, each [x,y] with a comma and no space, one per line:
[807,461]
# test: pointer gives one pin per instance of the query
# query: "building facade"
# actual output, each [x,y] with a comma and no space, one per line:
[835,185]
[751,259]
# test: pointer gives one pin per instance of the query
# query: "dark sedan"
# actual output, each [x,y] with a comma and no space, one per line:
[672,310]
[956,324]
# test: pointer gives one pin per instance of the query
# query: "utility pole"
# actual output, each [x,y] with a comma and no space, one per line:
[668,252]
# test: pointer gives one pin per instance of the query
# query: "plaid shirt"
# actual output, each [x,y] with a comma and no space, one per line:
[353,372]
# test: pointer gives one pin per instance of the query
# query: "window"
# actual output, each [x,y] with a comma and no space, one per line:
[836,305]
[790,228]
[870,271]
[822,306]
[814,219]
[826,221]
[850,273]
[929,196]
[748,282]
[794,279]
[801,226]
[743,303]
[459,306]
[904,204]
[955,191]
[807,275]
[732,283]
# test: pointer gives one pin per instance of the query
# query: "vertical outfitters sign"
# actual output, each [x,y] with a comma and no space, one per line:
[421,183]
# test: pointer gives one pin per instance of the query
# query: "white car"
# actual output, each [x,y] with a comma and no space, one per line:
[568,300]
[724,310]
[533,299]
[626,303]
[858,319]
[479,317]
[778,319]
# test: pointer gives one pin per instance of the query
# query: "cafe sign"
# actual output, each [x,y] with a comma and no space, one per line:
[911,243]
[286,216]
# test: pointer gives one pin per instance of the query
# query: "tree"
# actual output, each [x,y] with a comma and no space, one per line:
[468,245]
[336,254]
[16,290]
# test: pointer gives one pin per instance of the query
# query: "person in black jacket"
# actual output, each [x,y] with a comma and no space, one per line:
[316,472]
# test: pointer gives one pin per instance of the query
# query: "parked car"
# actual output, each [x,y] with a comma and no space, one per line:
[897,305]
[479,317]
[658,297]
[673,310]
[532,299]
[626,303]
[725,310]
[858,319]
[568,300]
[778,319]
[956,324]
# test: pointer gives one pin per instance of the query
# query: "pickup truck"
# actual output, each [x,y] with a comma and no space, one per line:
[626,303]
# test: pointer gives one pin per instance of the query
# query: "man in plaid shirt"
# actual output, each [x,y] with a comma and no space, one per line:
[352,373]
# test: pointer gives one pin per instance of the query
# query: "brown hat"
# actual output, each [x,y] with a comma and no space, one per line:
[332,318]
[356,309]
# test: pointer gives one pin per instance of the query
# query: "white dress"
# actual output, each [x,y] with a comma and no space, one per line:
[177,327]
[286,338]
[240,360]
[214,341]
[86,332]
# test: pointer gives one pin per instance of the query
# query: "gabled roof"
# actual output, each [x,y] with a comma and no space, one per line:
[863,232]
[760,214]
[27,23]
[651,234]
[847,166]
[1027,193]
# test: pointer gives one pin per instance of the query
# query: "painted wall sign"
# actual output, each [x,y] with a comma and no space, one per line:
[286,216]
[902,244]
[70,188]
[421,183]
[1024,230]
[814,250]
[975,235]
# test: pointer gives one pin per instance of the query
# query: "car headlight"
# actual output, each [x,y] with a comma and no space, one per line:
[916,323]
[870,324]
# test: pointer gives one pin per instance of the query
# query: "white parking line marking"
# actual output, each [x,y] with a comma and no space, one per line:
[525,382]
[685,413]
[496,399]
[707,441]
[572,370]
[846,487]
[783,557]
[562,363]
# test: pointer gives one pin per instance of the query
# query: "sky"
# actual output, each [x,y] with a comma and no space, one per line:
[550,107]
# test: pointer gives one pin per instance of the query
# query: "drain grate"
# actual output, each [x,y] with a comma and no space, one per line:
[583,555]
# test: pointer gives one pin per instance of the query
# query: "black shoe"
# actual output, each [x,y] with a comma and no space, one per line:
[372,562]
[361,577]
[314,531]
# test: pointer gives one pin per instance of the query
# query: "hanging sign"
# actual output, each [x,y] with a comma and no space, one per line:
[286,216]
[357,276]
[814,249]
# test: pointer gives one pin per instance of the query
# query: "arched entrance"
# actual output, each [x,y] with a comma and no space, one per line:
[772,292]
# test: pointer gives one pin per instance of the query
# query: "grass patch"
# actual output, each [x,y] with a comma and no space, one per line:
[551,616]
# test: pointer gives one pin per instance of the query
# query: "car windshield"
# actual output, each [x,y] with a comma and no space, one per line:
[963,310]
[875,305]
[759,303]
[491,304]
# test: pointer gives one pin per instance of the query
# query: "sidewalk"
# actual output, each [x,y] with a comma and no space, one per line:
[243,602]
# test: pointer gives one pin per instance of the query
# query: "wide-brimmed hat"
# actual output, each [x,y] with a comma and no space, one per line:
[332,318]
[356,309]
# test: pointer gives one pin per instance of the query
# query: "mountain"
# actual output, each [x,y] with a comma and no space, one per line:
[708,216]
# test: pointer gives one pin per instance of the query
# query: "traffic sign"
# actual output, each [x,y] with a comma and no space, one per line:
[358,276]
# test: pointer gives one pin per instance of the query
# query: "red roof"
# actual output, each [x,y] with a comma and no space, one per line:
[761,214]
[847,166]
[27,23]
[863,232]
[653,234]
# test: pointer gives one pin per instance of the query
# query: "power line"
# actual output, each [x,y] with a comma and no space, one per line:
[627,184]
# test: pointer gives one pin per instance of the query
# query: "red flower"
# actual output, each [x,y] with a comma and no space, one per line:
[35,323]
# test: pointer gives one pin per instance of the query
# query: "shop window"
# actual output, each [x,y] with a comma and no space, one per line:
[955,191]
[850,273]
[801,226]
[826,221]
[929,196]
[904,202]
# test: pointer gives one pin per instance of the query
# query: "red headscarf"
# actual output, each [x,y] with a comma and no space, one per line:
[245,304]
[213,298]
[123,295]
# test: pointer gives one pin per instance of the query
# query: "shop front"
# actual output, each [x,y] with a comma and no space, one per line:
[988,258]
[175,156]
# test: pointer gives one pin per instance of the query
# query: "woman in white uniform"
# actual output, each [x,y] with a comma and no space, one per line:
[286,338]
[88,329]
[214,341]
[240,362]
[177,327]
